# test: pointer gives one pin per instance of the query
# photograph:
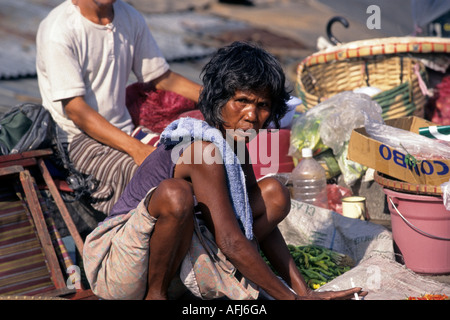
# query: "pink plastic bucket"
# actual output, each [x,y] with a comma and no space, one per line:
[421,231]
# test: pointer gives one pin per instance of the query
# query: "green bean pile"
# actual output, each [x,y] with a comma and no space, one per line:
[317,264]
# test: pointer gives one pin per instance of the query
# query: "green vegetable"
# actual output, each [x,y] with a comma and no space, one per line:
[305,133]
[317,264]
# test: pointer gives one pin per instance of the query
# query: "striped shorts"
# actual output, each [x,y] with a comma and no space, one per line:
[111,168]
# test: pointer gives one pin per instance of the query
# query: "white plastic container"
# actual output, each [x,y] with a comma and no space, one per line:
[309,182]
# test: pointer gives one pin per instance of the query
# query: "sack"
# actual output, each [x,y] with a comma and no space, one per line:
[207,273]
[386,279]
[307,224]
[26,127]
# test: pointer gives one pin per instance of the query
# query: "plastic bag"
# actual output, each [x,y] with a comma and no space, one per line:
[347,111]
[330,124]
[408,142]
[350,170]
[445,188]
[305,134]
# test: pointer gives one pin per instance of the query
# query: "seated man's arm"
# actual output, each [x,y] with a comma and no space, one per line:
[172,81]
[98,128]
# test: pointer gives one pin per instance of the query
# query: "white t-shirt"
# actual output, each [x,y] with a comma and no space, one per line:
[76,57]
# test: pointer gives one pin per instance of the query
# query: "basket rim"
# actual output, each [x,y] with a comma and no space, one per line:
[398,185]
[379,46]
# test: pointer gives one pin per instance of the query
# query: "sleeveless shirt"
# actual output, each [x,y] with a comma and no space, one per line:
[157,167]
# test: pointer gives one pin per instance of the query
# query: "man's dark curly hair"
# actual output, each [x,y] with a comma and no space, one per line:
[242,66]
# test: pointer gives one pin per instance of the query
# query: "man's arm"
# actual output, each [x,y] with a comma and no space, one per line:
[98,128]
[172,81]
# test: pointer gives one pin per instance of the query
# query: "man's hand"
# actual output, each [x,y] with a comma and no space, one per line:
[98,128]
[142,153]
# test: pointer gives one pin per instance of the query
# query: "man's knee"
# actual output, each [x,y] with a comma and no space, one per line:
[177,196]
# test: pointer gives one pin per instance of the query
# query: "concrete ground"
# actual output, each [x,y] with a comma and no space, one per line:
[301,20]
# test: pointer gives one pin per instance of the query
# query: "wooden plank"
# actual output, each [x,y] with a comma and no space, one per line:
[27,162]
[44,237]
[26,154]
[25,159]
[10,170]
[61,206]
[41,227]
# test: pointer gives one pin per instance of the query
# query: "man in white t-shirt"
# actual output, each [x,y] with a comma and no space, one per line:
[86,50]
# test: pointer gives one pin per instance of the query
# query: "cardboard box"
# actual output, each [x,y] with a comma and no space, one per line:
[374,154]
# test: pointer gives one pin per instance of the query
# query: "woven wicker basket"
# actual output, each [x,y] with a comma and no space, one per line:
[397,185]
[386,64]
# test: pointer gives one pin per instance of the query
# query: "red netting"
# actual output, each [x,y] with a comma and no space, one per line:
[153,108]
[441,110]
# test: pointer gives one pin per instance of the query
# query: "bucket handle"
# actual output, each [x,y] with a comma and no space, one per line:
[413,226]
